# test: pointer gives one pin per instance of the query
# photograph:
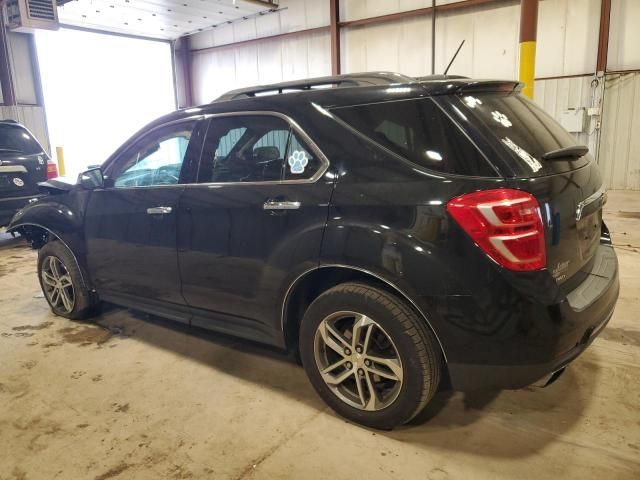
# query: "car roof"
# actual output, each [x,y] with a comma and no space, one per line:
[337,91]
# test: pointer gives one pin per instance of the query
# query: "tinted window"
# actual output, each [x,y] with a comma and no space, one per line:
[14,138]
[156,159]
[254,148]
[420,132]
[524,129]
[244,149]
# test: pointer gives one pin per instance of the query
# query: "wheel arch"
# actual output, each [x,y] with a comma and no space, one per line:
[313,282]
[38,235]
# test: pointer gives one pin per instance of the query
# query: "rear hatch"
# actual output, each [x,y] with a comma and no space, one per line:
[22,162]
[540,157]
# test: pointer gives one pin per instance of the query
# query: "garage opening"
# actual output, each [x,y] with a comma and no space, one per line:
[99,89]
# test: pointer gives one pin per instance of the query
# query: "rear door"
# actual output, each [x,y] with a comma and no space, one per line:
[256,215]
[569,189]
[131,224]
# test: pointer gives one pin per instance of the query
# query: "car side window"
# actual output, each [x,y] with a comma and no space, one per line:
[247,148]
[156,159]
[255,148]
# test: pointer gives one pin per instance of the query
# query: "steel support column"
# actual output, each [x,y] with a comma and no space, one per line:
[185,63]
[6,78]
[334,17]
[603,37]
[528,31]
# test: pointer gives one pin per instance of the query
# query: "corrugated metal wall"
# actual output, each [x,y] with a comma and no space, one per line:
[217,71]
[558,95]
[620,138]
[268,62]
[27,112]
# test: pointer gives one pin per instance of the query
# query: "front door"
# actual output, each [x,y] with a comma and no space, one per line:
[131,224]
[257,211]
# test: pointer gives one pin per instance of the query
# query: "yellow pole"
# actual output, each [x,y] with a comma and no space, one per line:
[528,67]
[60,156]
[528,30]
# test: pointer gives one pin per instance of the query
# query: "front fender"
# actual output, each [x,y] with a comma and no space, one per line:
[53,218]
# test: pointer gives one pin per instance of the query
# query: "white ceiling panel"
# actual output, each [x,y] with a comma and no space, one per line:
[166,19]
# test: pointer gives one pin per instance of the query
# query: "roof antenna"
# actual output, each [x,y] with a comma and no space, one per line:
[454,57]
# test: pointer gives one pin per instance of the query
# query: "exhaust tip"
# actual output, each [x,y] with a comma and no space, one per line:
[550,378]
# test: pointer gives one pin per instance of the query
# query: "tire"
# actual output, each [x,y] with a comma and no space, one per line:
[410,354]
[77,302]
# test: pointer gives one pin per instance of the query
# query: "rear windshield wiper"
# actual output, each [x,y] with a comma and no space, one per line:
[575,151]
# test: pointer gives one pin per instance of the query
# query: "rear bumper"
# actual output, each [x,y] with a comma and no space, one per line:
[9,207]
[535,340]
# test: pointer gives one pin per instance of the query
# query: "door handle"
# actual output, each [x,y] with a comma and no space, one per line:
[280,205]
[159,210]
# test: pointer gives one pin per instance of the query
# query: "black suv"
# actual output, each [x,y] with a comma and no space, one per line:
[23,164]
[397,232]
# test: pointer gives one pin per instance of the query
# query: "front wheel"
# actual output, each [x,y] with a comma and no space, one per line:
[62,283]
[369,355]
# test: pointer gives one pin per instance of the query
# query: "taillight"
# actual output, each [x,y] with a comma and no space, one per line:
[52,169]
[506,224]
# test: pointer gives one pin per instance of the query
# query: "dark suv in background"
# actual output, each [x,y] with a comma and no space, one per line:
[23,164]
[396,232]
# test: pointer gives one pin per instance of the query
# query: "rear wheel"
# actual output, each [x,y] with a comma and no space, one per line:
[369,355]
[62,283]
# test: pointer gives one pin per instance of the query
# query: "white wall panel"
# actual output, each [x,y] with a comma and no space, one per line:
[217,71]
[558,95]
[295,15]
[358,9]
[567,37]
[30,116]
[490,50]
[620,142]
[624,35]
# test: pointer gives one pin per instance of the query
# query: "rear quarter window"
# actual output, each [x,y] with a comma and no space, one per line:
[419,131]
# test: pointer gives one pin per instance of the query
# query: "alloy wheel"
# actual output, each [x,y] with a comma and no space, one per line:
[358,361]
[57,284]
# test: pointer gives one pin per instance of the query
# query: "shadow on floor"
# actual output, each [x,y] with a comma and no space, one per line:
[499,424]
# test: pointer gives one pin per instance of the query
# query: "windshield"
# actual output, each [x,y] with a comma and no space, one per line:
[526,131]
[14,138]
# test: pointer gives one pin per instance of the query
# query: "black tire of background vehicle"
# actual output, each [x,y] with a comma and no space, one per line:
[86,303]
[416,345]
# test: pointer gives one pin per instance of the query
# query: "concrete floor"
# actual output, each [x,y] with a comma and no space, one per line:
[136,397]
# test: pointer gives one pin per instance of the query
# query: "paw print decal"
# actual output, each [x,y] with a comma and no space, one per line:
[472,102]
[501,118]
[298,161]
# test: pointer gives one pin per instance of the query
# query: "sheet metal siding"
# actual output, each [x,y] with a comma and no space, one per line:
[620,142]
[271,61]
[558,95]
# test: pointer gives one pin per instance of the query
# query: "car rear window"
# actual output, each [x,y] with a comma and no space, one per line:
[419,131]
[14,138]
[526,131]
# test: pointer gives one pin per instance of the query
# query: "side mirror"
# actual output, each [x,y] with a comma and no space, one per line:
[91,179]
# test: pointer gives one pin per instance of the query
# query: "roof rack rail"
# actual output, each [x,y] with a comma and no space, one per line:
[348,80]
[426,78]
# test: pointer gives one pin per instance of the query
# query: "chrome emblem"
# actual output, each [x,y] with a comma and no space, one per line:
[18,182]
